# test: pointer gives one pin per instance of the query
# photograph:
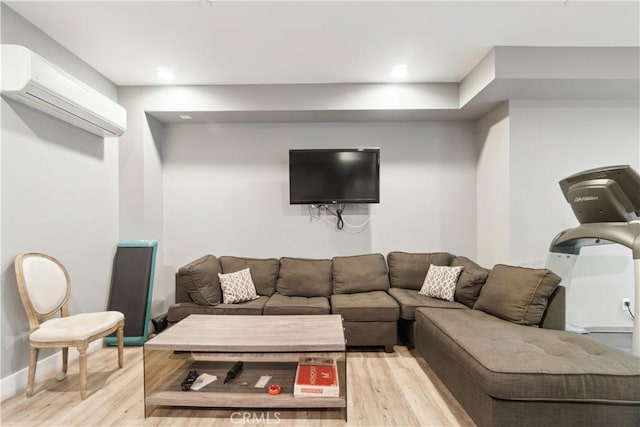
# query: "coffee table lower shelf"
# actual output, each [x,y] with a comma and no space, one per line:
[165,370]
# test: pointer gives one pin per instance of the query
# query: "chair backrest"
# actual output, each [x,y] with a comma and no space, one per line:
[44,286]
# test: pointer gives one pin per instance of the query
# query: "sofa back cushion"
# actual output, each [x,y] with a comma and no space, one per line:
[470,281]
[408,270]
[517,294]
[304,277]
[199,279]
[264,271]
[555,313]
[360,273]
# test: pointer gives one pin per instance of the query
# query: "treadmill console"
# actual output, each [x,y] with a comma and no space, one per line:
[607,194]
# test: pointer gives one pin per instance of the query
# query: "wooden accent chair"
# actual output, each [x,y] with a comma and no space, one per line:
[44,288]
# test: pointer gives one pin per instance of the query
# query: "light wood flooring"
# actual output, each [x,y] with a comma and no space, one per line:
[384,389]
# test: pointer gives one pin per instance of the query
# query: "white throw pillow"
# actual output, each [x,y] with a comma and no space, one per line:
[441,282]
[237,287]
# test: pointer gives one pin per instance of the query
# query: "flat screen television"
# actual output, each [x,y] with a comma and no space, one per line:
[325,176]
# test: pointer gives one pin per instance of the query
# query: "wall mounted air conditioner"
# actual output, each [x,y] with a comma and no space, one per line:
[32,80]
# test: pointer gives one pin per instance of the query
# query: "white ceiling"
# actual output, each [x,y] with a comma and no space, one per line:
[237,42]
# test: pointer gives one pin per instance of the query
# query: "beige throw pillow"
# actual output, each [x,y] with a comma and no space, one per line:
[237,287]
[440,282]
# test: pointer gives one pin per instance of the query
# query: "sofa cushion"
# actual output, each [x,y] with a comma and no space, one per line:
[470,281]
[237,287]
[410,299]
[365,307]
[181,310]
[515,362]
[408,270]
[199,279]
[282,304]
[360,273]
[440,282]
[517,294]
[304,277]
[264,272]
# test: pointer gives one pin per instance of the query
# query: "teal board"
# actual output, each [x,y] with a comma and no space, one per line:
[132,288]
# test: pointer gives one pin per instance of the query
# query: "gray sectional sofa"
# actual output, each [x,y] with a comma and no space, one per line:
[499,346]
[354,287]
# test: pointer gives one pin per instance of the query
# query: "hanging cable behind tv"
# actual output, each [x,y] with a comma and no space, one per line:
[341,222]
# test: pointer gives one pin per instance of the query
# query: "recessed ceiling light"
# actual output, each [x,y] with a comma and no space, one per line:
[185,117]
[399,71]
[164,74]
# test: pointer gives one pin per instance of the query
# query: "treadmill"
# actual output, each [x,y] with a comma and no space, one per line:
[606,202]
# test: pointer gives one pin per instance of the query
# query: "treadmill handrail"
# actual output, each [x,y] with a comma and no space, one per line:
[570,241]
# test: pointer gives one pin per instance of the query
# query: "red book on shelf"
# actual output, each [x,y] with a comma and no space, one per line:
[316,377]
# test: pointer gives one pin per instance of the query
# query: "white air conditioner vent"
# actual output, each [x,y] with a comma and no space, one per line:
[30,79]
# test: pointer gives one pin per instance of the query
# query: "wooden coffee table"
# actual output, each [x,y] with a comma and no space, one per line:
[267,345]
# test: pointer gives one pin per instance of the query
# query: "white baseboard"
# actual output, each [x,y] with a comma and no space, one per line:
[610,329]
[48,367]
[575,328]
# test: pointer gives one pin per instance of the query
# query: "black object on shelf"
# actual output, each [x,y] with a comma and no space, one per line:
[233,372]
[189,380]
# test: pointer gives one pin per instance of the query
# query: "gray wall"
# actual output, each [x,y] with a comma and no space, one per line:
[226,190]
[492,184]
[59,192]
[222,188]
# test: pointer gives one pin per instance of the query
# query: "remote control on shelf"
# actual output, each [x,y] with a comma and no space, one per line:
[233,372]
[189,380]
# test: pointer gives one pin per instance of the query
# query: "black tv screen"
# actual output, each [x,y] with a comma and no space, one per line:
[322,176]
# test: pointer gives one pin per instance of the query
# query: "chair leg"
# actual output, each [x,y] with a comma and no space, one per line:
[82,361]
[65,359]
[33,360]
[120,337]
